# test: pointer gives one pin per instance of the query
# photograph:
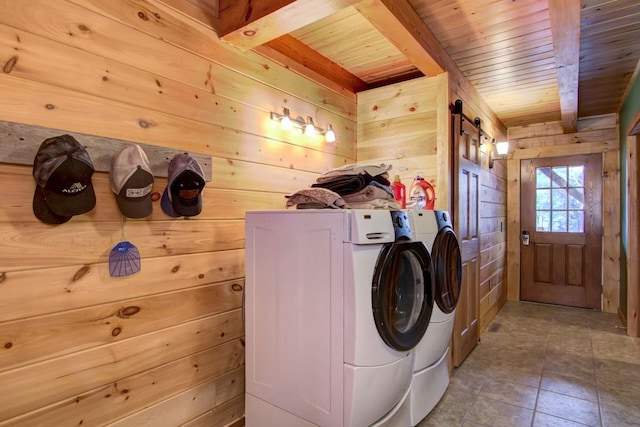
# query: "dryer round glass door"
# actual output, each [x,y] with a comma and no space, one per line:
[447,262]
[402,294]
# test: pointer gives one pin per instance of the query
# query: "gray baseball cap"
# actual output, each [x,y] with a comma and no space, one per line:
[131,180]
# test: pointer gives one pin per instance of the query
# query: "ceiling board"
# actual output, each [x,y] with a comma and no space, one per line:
[609,53]
[505,49]
[352,41]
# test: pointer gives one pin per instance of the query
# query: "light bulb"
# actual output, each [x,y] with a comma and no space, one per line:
[502,148]
[310,129]
[330,136]
[285,121]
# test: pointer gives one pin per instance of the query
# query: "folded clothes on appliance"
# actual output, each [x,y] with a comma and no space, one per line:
[315,198]
[370,192]
[353,169]
[352,178]
[348,187]
[343,184]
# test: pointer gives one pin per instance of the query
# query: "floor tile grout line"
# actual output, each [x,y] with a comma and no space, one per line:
[535,405]
[595,377]
[475,397]
[495,400]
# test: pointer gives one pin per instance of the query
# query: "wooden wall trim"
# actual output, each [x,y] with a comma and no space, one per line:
[634,125]
[513,230]
[19,144]
[622,317]
[633,230]
[563,150]
[445,161]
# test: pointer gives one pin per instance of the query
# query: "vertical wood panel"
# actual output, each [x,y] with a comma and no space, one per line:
[513,230]
[611,231]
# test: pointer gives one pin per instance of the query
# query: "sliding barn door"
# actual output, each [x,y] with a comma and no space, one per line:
[466,145]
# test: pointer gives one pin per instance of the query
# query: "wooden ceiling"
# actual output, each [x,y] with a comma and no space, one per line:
[532,61]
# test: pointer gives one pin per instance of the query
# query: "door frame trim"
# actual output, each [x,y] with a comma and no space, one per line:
[633,224]
[611,171]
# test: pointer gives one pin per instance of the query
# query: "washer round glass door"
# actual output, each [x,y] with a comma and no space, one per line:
[447,263]
[402,294]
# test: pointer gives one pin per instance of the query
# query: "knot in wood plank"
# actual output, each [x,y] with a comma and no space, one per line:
[8,66]
[126,312]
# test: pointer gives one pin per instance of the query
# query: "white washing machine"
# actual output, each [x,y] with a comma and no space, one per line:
[335,302]
[431,370]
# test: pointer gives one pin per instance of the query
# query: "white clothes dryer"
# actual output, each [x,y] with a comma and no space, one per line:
[335,302]
[431,370]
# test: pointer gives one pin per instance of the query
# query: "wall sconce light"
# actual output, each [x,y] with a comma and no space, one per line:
[307,127]
[501,148]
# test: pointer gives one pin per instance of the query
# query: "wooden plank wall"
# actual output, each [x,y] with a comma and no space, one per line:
[164,346]
[597,134]
[406,125]
[493,239]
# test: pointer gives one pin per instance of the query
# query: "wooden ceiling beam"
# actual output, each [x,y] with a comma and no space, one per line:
[401,25]
[565,29]
[246,24]
[309,58]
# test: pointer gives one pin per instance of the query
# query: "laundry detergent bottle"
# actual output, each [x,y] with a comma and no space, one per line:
[399,192]
[422,193]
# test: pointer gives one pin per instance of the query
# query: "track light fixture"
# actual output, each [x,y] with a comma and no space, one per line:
[306,127]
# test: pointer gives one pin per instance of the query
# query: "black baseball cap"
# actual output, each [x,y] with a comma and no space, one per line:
[183,194]
[62,169]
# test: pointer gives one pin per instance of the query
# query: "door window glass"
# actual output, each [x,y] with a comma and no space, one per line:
[560,199]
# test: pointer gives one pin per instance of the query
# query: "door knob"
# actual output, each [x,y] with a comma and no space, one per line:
[525,238]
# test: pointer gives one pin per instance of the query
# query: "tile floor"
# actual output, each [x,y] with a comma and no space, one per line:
[540,365]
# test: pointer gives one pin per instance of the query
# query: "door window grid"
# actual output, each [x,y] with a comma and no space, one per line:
[560,199]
